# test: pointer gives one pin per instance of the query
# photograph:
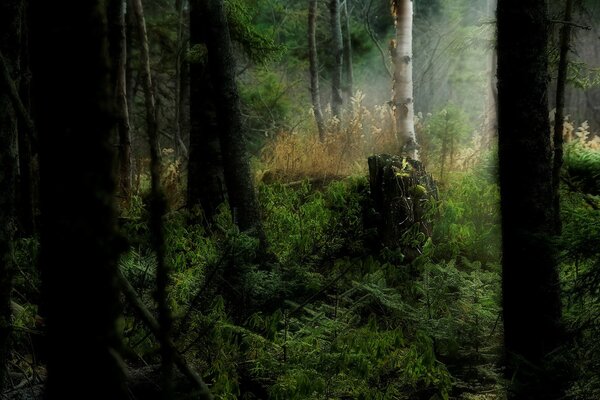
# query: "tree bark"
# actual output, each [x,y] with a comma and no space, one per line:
[118,51]
[181,81]
[559,118]
[131,67]
[530,284]
[157,208]
[403,102]
[10,26]
[206,179]
[314,68]
[27,197]
[402,195]
[238,177]
[75,120]
[348,67]
[337,48]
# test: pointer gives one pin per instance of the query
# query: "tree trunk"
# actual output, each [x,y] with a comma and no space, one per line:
[10,25]
[337,49]
[206,180]
[348,67]
[157,208]
[314,68]
[118,51]
[491,120]
[181,83]
[238,176]
[130,68]
[401,49]
[559,119]
[27,196]
[530,285]
[79,242]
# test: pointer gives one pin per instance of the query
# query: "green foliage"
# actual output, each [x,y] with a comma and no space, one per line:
[459,309]
[580,267]
[258,42]
[582,167]
[445,134]
[469,223]
[327,319]
[302,223]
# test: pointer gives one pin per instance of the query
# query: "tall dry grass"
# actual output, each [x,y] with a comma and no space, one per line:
[361,132]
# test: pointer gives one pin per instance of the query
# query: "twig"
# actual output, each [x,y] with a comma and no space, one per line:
[576,25]
[153,325]
[372,36]
[323,289]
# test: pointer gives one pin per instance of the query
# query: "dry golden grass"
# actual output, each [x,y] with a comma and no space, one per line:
[344,151]
[581,134]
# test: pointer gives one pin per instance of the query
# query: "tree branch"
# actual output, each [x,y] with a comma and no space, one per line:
[152,324]
[574,24]
[374,39]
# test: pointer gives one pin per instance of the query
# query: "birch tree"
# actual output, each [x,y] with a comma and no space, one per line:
[402,101]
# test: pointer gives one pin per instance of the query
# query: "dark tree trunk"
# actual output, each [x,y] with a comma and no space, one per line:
[181,81]
[132,78]
[238,177]
[314,68]
[206,180]
[530,285]
[118,53]
[10,25]
[184,97]
[157,208]
[79,244]
[348,67]
[559,120]
[27,197]
[337,49]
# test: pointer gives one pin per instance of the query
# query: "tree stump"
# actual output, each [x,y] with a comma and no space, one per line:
[403,195]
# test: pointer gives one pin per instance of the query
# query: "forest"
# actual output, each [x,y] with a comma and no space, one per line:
[300,199]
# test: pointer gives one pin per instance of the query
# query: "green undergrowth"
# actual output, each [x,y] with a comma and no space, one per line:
[580,268]
[330,316]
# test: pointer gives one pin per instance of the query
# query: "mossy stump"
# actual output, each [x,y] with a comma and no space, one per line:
[403,195]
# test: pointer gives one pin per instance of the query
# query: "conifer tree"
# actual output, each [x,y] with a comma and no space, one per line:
[530,285]
[73,100]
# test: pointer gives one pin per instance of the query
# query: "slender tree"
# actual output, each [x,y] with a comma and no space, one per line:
[403,102]
[157,208]
[118,52]
[27,196]
[73,101]
[238,177]
[348,67]
[530,286]
[314,67]
[10,25]
[491,117]
[206,180]
[182,86]
[559,119]
[337,48]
